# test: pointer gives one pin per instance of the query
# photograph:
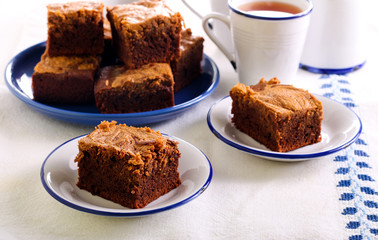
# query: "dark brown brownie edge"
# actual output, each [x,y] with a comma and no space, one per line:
[74,87]
[100,173]
[188,67]
[123,100]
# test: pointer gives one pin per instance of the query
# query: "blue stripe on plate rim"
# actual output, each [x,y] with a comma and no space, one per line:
[301,14]
[277,155]
[140,212]
[331,70]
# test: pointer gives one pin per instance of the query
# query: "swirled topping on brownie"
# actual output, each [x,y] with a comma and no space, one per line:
[61,64]
[279,97]
[141,11]
[125,139]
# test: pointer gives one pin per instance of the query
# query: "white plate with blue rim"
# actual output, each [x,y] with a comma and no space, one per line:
[59,175]
[340,128]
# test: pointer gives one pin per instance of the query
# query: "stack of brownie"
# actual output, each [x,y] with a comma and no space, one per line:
[147,57]
[67,70]
[158,58]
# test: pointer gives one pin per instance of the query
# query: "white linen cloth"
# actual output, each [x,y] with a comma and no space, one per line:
[248,198]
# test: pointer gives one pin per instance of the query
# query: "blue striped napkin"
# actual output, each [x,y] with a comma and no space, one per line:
[353,171]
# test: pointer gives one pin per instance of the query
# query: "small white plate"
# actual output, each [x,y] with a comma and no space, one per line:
[340,128]
[59,175]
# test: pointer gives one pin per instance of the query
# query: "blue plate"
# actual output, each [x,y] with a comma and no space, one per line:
[18,77]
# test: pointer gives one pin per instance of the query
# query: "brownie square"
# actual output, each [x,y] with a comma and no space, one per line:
[65,80]
[144,32]
[75,28]
[188,66]
[281,117]
[127,165]
[122,90]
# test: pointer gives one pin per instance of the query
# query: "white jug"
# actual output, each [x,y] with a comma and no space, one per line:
[335,40]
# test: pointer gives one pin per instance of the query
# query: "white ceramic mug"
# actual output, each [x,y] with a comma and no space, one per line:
[221,31]
[336,37]
[267,44]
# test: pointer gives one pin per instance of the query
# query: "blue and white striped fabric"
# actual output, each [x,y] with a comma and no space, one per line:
[353,170]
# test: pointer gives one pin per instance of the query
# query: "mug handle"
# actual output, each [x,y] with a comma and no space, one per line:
[226,20]
[192,9]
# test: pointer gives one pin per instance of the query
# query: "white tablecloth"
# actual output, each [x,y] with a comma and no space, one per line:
[249,198]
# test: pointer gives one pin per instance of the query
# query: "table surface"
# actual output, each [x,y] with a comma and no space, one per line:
[333,197]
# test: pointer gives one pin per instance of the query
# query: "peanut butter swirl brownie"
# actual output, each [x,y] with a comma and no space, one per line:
[281,117]
[146,31]
[127,165]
